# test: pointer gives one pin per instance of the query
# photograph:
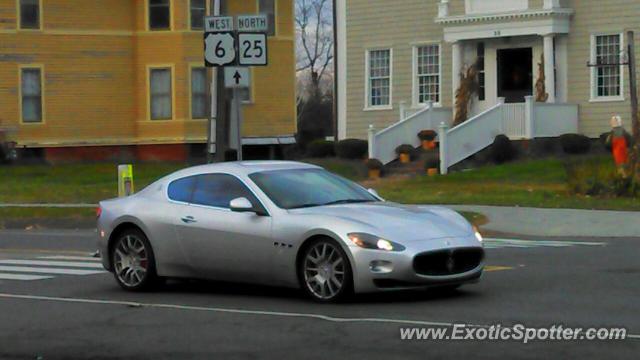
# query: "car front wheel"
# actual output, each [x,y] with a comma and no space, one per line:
[133,261]
[325,271]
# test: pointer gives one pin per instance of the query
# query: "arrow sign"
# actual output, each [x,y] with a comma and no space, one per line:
[236,77]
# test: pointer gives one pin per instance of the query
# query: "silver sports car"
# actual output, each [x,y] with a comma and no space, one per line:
[285,224]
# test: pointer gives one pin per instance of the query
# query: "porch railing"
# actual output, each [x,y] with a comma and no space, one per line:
[525,121]
[383,143]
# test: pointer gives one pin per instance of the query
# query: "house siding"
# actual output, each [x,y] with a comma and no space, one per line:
[377,23]
[95,57]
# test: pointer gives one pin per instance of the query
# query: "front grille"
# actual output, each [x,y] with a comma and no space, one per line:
[448,262]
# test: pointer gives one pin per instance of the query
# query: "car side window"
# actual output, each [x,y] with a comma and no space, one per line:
[219,189]
[181,189]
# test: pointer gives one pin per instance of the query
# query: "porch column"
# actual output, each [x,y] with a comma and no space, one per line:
[549,67]
[456,65]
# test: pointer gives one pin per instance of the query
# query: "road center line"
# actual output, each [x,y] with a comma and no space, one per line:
[246,312]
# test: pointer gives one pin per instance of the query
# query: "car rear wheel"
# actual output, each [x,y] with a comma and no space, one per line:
[133,261]
[325,271]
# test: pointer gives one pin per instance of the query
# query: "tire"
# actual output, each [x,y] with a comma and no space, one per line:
[133,261]
[330,278]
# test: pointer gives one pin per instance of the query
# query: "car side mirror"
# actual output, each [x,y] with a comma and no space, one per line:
[241,204]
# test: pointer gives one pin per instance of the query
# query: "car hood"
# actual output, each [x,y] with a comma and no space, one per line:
[398,222]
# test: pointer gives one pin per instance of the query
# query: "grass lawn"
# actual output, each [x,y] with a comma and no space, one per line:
[535,183]
[538,183]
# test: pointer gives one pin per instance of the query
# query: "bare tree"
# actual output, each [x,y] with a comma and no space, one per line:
[315,40]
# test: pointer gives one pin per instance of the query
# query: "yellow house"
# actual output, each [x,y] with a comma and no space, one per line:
[108,79]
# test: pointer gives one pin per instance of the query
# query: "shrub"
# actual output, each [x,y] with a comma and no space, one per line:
[352,149]
[292,152]
[374,164]
[502,150]
[575,143]
[596,177]
[427,135]
[320,149]
[405,149]
[231,155]
[432,163]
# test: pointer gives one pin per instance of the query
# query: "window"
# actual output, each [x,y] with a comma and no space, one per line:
[290,189]
[198,93]
[245,95]
[161,97]
[607,76]
[31,94]
[159,14]
[29,14]
[268,7]
[218,190]
[379,78]
[481,73]
[197,12]
[181,189]
[428,73]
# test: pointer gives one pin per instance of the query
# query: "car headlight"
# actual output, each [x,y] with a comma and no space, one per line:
[477,233]
[369,241]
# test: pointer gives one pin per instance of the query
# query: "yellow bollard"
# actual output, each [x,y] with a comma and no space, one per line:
[125,180]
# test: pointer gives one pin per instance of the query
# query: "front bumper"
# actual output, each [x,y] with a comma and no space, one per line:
[376,270]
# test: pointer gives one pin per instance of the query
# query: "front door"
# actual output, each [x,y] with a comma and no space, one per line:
[222,244]
[515,74]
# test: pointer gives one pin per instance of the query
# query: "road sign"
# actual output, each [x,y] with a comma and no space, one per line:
[253,23]
[252,49]
[219,49]
[218,23]
[236,77]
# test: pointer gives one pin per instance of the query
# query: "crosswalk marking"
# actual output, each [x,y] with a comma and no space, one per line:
[490,243]
[72,264]
[67,257]
[47,267]
[23,277]
[44,270]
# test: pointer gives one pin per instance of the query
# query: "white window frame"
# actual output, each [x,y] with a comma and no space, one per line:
[206,11]
[594,70]
[39,67]
[367,81]
[19,17]
[192,67]
[172,71]
[415,83]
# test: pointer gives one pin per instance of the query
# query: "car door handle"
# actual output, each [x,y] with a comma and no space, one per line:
[188,220]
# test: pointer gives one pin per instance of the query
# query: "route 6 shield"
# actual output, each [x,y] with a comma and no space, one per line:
[219,49]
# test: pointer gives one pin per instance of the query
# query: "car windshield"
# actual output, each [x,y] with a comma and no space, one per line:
[292,189]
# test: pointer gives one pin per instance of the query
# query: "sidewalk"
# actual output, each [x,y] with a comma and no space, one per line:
[557,222]
[504,219]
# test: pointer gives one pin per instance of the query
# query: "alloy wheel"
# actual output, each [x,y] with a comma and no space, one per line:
[130,259]
[324,270]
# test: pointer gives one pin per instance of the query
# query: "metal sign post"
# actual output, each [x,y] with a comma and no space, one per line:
[225,46]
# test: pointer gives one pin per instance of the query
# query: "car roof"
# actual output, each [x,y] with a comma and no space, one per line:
[242,167]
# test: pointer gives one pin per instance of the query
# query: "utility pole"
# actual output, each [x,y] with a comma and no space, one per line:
[217,127]
[635,122]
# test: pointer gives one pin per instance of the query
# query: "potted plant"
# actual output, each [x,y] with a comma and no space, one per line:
[428,139]
[404,153]
[432,166]
[375,168]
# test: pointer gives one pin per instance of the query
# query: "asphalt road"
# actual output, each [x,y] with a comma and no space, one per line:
[571,282]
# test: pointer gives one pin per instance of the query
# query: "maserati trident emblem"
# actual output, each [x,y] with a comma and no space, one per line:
[450,264]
